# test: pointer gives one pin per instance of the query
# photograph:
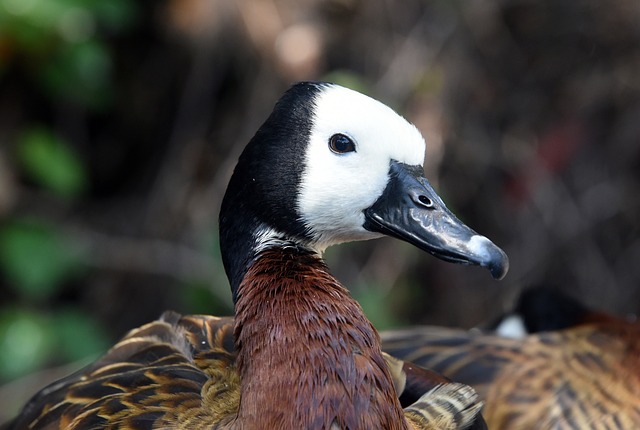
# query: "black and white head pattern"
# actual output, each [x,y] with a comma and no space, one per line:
[353,139]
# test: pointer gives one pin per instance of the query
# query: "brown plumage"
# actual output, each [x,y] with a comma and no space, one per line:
[182,372]
[301,354]
[166,372]
[294,287]
[583,377]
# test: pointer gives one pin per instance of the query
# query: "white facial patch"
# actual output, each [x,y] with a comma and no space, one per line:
[336,188]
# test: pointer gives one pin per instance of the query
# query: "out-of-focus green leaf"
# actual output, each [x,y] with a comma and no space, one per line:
[64,41]
[25,342]
[26,36]
[81,72]
[52,15]
[78,335]
[35,258]
[31,23]
[116,15]
[50,162]
[41,13]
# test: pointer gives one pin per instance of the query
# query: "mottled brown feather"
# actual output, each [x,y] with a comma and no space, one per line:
[176,372]
[307,355]
[584,377]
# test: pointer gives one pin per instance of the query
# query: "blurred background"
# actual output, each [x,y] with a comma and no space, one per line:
[121,121]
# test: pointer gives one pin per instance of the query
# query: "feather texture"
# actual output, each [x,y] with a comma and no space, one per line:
[582,377]
[174,370]
[180,372]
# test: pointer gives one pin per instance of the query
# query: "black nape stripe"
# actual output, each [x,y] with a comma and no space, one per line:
[264,186]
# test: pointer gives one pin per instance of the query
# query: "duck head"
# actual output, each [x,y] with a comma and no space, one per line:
[331,165]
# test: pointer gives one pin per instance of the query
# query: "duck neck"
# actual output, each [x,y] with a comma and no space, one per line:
[307,355]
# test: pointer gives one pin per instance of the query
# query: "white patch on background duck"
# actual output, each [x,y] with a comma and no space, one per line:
[336,188]
[513,327]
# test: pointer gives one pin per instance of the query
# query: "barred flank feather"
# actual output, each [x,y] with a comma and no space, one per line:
[584,377]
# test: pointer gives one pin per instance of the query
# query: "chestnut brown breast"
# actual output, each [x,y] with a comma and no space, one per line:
[308,355]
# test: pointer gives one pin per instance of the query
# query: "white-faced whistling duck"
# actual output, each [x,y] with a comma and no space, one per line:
[328,166]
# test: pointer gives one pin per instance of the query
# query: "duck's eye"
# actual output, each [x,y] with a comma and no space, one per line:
[341,144]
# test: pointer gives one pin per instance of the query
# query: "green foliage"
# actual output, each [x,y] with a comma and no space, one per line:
[62,47]
[114,15]
[36,259]
[25,342]
[64,42]
[51,162]
[30,340]
[81,72]
[78,334]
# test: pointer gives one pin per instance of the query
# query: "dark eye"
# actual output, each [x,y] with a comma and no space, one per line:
[341,144]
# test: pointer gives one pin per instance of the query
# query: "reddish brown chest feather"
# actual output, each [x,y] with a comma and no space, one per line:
[307,355]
